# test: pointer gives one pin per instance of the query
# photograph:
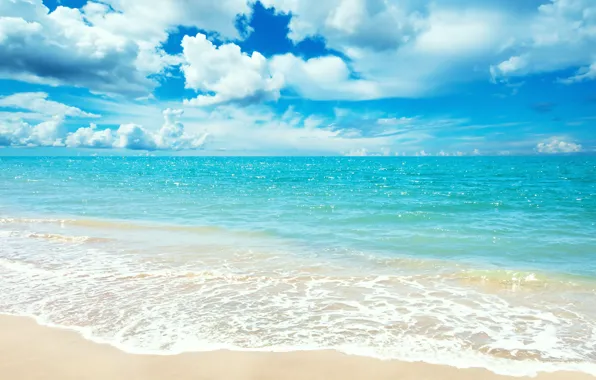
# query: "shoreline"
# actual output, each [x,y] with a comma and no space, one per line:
[475,270]
[32,351]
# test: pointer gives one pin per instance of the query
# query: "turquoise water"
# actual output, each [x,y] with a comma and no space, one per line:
[407,258]
[535,213]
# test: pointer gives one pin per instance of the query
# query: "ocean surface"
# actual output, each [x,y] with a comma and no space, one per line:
[469,261]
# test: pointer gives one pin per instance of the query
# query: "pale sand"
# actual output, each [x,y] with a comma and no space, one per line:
[29,351]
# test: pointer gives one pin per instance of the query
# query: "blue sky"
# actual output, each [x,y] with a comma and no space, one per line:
[281,77]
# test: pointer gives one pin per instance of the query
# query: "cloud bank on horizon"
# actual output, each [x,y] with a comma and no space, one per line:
[354,77]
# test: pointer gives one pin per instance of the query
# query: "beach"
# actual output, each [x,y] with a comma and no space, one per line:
[336,266]
[33,352]
[297,189]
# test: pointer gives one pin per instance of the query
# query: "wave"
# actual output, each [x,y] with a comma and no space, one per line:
[150,298]
[520,363]
[9,220]
[67,239]
[524,280]
[54,237]
[121,225]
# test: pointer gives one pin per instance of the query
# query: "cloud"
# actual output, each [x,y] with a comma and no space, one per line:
[583,74]
[156,16]
[258,129]
[113,46]
[171,135]
[415,48]
[226,74]
[378,49]
[376,24]
[63,48]
[390,49]
[556,145]
[323,78]
[559,35]
[270,130]
[38,102]
[90,137]
[20,133]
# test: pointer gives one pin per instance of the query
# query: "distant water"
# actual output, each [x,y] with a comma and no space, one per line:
[472,262]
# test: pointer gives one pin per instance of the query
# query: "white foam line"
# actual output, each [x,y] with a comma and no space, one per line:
[507,367]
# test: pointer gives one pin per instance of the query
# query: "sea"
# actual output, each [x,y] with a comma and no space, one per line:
[466,261]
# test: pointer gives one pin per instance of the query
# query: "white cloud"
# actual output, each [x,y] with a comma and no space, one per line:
[134,137]
[583,74]
[561,34]
[322,78]
[251,129]
[39,103]
[414,48]
[405,49]
[227,74]
[20,133]
[512,65]
[387,48]
[377,24]
[263,129]
[62,47]
[154,16]
[90,137]
[259,129]
[556,145]
[110,46]
[171,136]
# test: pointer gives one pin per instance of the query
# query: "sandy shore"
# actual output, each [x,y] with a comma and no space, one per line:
[30,351]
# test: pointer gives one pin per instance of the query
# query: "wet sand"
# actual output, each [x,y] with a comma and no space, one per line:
[30,351]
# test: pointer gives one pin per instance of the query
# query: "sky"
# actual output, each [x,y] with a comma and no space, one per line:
[298,77]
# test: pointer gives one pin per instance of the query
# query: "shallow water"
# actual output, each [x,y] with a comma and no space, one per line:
[464,261]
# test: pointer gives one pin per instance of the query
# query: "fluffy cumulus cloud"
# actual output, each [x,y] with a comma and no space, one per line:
[171,136]
[556,145]
[111,46]
[429,48]
[62,47]
[403,49]
[21,133]
[323,78]
[155,16]
[561,34]
[415,48]
[262,129]
[388,48]
[374,49]
[90,137]
[373,24]
[225,74]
